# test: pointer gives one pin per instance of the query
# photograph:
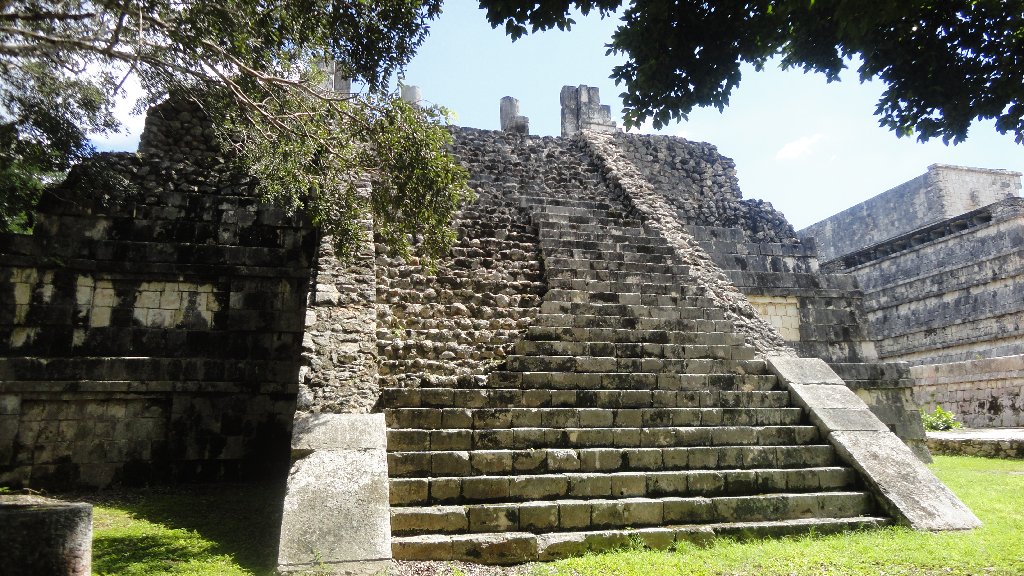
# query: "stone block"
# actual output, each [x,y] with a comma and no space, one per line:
[573,515]
[824,396]
[544,487]
[792,370]
[493,518]
[638,512]
[45,536]
[538,516]
[629,484]
[337,431]
[906,487]
[507,548]
[839,419]
[487,488]
[336,506]
[429,519]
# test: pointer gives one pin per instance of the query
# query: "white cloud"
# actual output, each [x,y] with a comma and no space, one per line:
[798,148]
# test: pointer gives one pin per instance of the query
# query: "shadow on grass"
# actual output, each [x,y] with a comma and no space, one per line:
[240,521]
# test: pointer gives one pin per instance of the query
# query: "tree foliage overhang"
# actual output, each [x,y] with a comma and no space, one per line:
[946,63]
[257,69]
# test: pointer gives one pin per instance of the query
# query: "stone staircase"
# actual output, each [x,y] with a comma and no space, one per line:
[632,412]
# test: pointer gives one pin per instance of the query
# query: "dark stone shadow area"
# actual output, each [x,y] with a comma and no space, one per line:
[237,520]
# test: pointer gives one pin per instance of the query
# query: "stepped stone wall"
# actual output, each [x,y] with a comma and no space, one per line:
[150,326]
[170,331]
[944,292]
[458,322]
[941,193]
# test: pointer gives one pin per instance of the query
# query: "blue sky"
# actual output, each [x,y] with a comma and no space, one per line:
[809,147]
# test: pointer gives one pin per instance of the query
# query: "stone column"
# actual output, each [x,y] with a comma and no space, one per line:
[336,80]
[582,110]
[511,121]
[45,536]
[412,95]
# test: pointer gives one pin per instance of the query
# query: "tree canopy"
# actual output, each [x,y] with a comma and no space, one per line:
[258,69]
[947,63]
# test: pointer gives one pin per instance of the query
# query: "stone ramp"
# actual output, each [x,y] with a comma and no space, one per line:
[633,410]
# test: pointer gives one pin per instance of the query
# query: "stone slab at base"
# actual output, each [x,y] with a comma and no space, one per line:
[336,515]
[45,536]
[905,487]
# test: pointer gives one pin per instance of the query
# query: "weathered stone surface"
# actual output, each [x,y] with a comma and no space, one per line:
[941,193]
[336,507]
[982,393]
[792,370]
[888,390]
[988,443]
[905,486]
[337,431]
[45,536]
[582,110]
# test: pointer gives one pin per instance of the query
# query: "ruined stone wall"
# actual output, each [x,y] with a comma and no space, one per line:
[982,393]
[941,193]
[150,326]
[457,322]
[702,185]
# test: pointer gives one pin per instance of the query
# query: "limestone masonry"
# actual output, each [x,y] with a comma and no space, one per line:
[610,351]
[940,262]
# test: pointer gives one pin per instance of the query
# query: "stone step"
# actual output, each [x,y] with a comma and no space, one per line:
[621,310]
[705,358]
[656,267]
[651,484]
[469,452]
[517,547]
[592,212]
[557,246]
[505,397]
[585,216]
[683,296]
[603,245]
[580,227]
[587,285]
[574,514]
[684,320]
[560,418]
[552,235]
[629,350]
[544,201]
[620,277]
[693,335]
[709,379]
[595,448]
[579,254]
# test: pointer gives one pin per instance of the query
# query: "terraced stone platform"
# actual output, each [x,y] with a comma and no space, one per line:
[631,410]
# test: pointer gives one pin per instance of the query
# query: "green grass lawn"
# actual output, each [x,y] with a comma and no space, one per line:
[231,530]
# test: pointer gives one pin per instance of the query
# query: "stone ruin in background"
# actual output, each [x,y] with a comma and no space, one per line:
[610,351]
